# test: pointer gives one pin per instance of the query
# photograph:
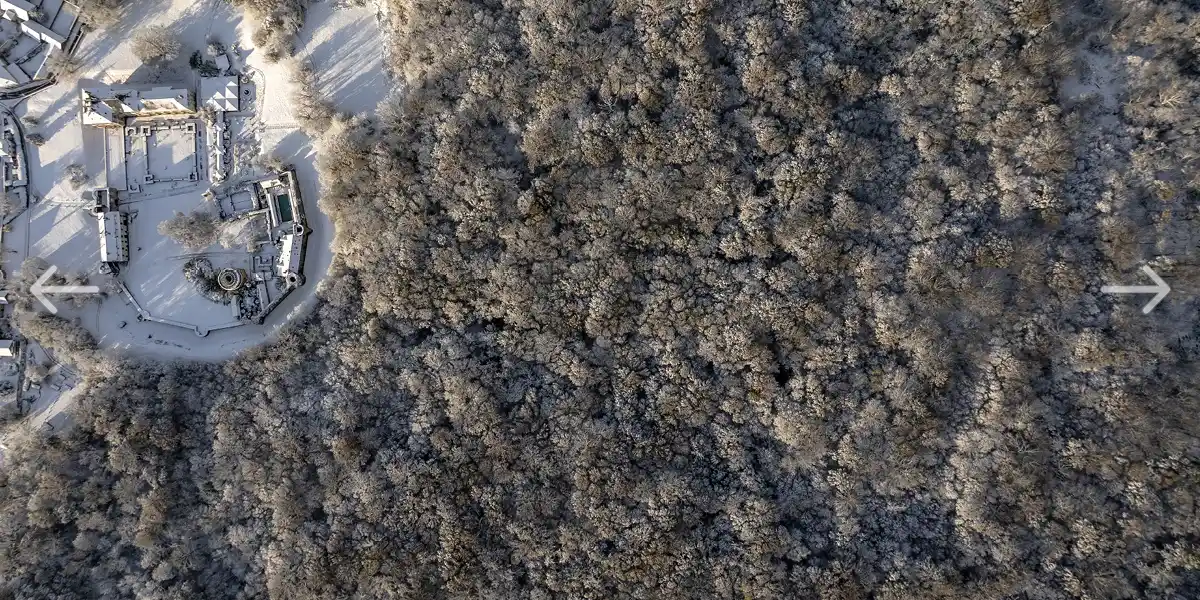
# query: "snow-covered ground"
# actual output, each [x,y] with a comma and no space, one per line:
[1098,77]
[153,274]
[53,395]
[344,46]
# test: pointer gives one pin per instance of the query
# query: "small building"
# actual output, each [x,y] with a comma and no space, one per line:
[114,237]
[8,163]
[113,226]
[57,32]
[105,107]
[291,255]
[221,94]
[11,158]
[8,349]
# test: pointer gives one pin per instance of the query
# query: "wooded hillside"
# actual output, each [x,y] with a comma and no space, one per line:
[694,300]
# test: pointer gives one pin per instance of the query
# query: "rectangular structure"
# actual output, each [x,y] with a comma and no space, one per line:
[38,31]
[109,107]
[164,100]
[221,94]
[57,23]
[288,262]
[114,237]
[114,159]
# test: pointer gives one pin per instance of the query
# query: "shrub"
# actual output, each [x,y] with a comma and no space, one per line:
[76,175]
[205,67]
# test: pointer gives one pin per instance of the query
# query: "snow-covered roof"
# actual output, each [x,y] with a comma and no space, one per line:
[104,106]
[98,107]
[114,240]
[38,31]
[16,10]
[12,74]
[64,24]
[288,261]
[8,348]
[220,93]
[17,4]
[164,99]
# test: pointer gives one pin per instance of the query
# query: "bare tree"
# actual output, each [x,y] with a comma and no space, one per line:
[101,13]
[155,44]
[196,230]
[76,175]
[312,110]
[64,65]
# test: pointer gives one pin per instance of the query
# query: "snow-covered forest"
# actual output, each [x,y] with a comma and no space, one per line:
[746,299]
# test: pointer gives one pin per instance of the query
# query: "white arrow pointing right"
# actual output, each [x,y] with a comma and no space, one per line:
[1160,289]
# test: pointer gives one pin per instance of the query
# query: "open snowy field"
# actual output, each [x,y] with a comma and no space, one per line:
[63,233]
[341,42]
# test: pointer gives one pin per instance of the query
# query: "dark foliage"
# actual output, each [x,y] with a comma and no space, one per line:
[708,300]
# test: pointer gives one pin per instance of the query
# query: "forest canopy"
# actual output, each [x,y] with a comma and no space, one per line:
[745,299]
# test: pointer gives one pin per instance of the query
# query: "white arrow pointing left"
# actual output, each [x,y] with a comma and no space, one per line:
[39,289]
[1160,289]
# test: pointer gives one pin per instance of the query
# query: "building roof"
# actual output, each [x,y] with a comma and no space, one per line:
[41,32]
[21,4]
[114,240]
[56,33]
[107,106]
[97,111]
[220,93]
[8,348]
[12,74]
[164,98]
[289,254]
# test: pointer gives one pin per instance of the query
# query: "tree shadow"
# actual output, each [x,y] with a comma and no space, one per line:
[107,38]
[349,62]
